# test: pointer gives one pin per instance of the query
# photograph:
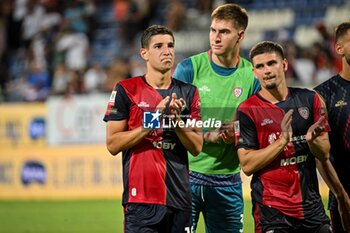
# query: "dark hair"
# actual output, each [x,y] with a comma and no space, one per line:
[152,31]
[233,12]
[266,47]
[341,30]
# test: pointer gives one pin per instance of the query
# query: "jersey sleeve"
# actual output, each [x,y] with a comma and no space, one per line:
[320,110]
[323,90]
[245,131]
[118,105]
[184,71]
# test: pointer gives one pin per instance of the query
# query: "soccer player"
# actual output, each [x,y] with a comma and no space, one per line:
[282,135]
[224,80]
[336,94]
[157,195]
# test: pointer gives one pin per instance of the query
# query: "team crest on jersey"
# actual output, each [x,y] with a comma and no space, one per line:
[112,97]
[304,112]
[237,91]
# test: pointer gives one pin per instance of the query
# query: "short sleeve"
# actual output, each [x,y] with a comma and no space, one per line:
[118,105]
[245,131]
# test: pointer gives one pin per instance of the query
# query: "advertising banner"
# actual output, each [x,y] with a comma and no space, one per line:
[22,125]
[60,173]
[77,119]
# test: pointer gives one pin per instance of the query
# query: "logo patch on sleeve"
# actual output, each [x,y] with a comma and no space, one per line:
[112,97]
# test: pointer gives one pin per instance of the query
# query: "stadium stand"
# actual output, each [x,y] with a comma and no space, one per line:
[113,26]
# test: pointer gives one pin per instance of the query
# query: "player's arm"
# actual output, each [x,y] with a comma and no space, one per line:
[318,141]
[330,176]
[317,136]
[191,139]
[119,138]
[253,160]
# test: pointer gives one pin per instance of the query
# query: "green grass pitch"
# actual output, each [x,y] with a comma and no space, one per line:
[75,216]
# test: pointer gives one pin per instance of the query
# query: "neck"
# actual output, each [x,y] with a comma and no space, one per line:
[275,95]
[158,80]
[229,61]
[345,73]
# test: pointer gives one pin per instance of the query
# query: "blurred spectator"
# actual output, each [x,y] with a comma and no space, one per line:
[61,80]
[133,16]
[75,49]
[74,13]
[10,36]
[328,45]
[176,15]
[37,82]
[323,62]
[32,21]
[119,70]
[94,78]
[305,68]
[291,52]
[205,6]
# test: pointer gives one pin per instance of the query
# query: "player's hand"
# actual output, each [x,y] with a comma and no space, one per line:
[316,129]
[162,104]
[175,107]
[212,136]
[286,126]
[227,133]
[344,211]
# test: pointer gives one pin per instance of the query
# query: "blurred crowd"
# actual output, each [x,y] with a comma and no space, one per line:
[46,46]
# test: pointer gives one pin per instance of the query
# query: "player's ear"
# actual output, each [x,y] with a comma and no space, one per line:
[240,35]
[339,48]
[144,54]
[285,64]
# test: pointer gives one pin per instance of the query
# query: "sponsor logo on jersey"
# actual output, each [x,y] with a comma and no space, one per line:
[293,160]
[266,121]
[304,112]
[237,91]
[204,88]
[143,104]
[164,145]
[341,103]
[112,97]
[113,110]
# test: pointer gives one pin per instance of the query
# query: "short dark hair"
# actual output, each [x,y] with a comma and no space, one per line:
[152,31]
[266,47]
[341,30]
[233,12]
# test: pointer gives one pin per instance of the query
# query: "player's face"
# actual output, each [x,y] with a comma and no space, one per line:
[270,69]
[160,53]
[224,37]
[343,47]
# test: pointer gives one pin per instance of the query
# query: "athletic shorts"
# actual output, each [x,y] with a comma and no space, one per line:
[222,208]
[270,220]
[142,218]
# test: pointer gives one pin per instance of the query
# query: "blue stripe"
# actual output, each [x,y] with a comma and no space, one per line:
[214,180]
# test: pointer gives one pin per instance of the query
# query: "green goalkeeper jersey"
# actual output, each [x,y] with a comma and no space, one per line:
[221,90]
